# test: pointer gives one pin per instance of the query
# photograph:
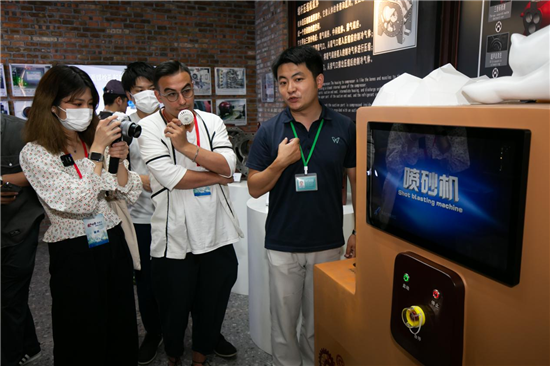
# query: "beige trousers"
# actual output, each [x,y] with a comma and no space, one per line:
[291,289]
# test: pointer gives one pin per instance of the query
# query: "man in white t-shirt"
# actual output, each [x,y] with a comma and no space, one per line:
[137,81]
[194,225]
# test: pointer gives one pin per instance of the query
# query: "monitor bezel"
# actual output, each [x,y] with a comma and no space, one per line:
[511,275]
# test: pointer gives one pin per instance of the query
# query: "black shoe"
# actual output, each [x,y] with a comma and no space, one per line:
[148,349]
[224,348]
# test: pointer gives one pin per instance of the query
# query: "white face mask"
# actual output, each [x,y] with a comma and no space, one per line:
[146,101]
[78,119]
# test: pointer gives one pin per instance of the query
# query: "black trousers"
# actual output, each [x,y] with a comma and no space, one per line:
[200,284]
[93,309]
[18,332]
[147,303]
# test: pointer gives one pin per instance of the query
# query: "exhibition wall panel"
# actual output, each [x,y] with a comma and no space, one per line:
[363,50]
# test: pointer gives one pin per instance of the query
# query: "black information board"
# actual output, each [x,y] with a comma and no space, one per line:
[365,44]
[500,20]
[486,29]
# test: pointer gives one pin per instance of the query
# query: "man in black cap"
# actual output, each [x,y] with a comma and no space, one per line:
[115,99]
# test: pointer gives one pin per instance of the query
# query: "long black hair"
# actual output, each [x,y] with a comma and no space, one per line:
[58,83]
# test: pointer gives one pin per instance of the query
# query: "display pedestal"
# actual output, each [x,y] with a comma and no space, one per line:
[258,299]
[503,325]
[239,196]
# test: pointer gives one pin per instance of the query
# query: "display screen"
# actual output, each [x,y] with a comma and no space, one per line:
[456,191]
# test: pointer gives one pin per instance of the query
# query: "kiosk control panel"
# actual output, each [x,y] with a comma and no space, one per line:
[427,317]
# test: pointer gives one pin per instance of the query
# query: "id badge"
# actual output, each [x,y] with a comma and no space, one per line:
[96,231]
[202,191]
[306,183]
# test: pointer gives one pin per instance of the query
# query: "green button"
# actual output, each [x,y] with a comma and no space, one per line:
[406,277]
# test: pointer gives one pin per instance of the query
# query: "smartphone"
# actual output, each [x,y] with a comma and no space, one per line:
[10,187]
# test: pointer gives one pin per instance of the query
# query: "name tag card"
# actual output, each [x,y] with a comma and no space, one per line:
[202,191]
[96,231]
[306,183]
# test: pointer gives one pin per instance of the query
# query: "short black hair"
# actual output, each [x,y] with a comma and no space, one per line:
[109,98]
[169,68]
[299,55]
[134,71]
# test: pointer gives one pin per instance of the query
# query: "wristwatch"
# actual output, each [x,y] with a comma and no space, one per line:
[95,156]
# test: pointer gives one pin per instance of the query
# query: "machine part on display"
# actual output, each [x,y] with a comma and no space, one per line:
[395,19]
[413,317]
[536,15]
[529,60]
[242,142]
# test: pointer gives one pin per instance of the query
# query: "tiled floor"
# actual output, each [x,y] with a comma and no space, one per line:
[235,327]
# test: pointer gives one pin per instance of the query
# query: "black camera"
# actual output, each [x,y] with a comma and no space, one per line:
[129,128]
[129,131]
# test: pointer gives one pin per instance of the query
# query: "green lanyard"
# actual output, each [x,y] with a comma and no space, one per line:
[312,147]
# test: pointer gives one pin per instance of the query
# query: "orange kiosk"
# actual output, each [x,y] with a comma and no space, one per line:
[453,241]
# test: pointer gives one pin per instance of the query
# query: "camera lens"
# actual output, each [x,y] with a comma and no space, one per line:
[134,130]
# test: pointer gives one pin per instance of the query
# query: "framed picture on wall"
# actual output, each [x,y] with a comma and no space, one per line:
[232,111]
[268,88]
[395,25]
[3,89]
[21,108]
[202,80]
[204,105]
[4,108]
[230,81]
[25,78]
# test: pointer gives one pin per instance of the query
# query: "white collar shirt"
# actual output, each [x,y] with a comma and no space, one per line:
[183,222]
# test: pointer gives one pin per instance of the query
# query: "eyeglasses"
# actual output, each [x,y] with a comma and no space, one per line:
[173,96]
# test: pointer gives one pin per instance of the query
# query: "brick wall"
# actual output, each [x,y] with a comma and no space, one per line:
[209,33]
[271,40]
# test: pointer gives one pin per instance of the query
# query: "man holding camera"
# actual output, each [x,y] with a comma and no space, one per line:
[21,217]
[194,265]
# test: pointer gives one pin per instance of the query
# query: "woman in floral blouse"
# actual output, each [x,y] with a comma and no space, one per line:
[93,312]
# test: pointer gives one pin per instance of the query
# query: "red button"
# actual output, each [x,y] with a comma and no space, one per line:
[436,294]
